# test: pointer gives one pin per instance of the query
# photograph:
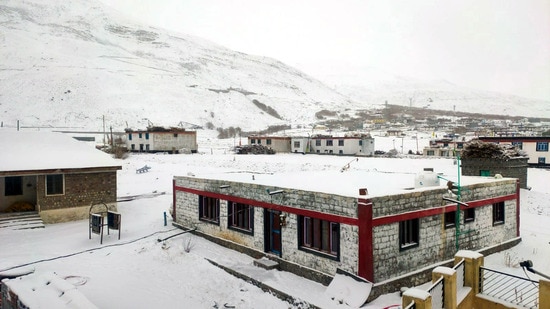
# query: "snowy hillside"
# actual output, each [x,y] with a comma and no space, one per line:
[377,86]
[70,63]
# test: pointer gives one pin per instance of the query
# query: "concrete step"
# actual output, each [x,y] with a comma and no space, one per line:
[21,220]
[266,263]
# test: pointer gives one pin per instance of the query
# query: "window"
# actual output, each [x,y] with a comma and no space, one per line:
[459,145]
[498,213]
[329,142]
[430,153]
[54,184]
[542,160]
[340,151]
[176,135]
[360,142]
[147,147]
[13,186]
[252,141]
[130,136]
[542,146]
[486,173]
[240,217]
[147,135]
[519,145]
[209,209]
[469,215]
[340,142]
[319,236]
[317,142]
[450,219]
[268,141]
[139,135]
[408,234]
[296,144]
[133,146]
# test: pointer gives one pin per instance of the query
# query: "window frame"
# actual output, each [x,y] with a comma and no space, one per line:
[209,209]
[406,241]
[449,219]
[317,142]
[542,147]
[246,214]
[340,142]
[56,182]
[469,215]
[319,237]
[329,142]
[499,210]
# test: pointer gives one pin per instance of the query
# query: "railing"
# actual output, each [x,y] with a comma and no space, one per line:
[459,267]
[509,288]
[412,305]
[436,291]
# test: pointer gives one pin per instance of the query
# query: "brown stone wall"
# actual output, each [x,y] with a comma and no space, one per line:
[511,168]
[81,189]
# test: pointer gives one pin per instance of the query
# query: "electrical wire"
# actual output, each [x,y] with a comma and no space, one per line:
[87,250]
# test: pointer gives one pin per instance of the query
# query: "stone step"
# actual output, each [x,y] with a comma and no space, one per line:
[21,220]
[266,263]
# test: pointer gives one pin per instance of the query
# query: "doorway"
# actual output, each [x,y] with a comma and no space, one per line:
[272,230]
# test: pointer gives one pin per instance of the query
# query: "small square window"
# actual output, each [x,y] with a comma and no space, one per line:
[329,142]
[340,142]
[469,215]
[55,184]
[409,232]
[450,219]
[13,186]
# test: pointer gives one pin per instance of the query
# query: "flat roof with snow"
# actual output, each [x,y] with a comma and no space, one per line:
[347,183]
[31,151]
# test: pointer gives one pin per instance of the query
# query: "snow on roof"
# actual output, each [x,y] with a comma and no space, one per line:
[347,183]
[24,151]
[47,290]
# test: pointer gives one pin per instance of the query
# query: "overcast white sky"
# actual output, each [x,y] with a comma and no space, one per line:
[500,45]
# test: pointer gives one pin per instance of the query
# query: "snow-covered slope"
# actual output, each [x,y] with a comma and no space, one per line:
[68,63]
[75,63]
[367,84]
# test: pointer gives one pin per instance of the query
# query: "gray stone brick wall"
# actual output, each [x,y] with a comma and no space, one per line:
[435,242]
[511,168]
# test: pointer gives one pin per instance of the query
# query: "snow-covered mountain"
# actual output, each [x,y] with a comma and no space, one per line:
[75,63]
[68,63]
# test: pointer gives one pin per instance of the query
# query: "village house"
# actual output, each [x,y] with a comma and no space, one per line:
[160,139]
[536,147]
[349,144]
[444,147]
[54,175]
[384,227]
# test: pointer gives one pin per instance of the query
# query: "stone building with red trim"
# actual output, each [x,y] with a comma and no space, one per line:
[369,224]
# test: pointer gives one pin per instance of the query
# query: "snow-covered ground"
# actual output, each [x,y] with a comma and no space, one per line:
[138,271]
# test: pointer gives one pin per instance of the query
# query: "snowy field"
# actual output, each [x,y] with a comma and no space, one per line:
[138,271]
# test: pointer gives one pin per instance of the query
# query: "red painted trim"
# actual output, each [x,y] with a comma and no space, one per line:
[365,258]
[438,210]
[517,207]
[173,200]
[287,209]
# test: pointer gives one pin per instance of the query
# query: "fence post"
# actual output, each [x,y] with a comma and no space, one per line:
[421,298]
[449,285]
[544,293]
[472,261]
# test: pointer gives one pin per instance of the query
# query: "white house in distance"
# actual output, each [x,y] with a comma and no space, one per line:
[358,144]
[536,147]
[160,139]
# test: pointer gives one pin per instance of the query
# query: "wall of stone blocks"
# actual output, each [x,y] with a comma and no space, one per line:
[81,189]
[187,215]
[436,243]
[512,168]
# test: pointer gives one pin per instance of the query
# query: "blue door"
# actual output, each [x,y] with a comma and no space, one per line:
[273,231]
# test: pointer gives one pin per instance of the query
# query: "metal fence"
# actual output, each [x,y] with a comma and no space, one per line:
[509,288]
[412,305]
[437,292]
[459,267]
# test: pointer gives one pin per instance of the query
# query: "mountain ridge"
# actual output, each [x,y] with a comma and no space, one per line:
[73,64]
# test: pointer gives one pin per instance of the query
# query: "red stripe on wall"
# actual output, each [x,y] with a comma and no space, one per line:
[438,210]
[287,209]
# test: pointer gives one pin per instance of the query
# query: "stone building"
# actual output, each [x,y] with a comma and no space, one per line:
[374,225]
[54,175]
[535,147]
[489,159]
[160,139]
